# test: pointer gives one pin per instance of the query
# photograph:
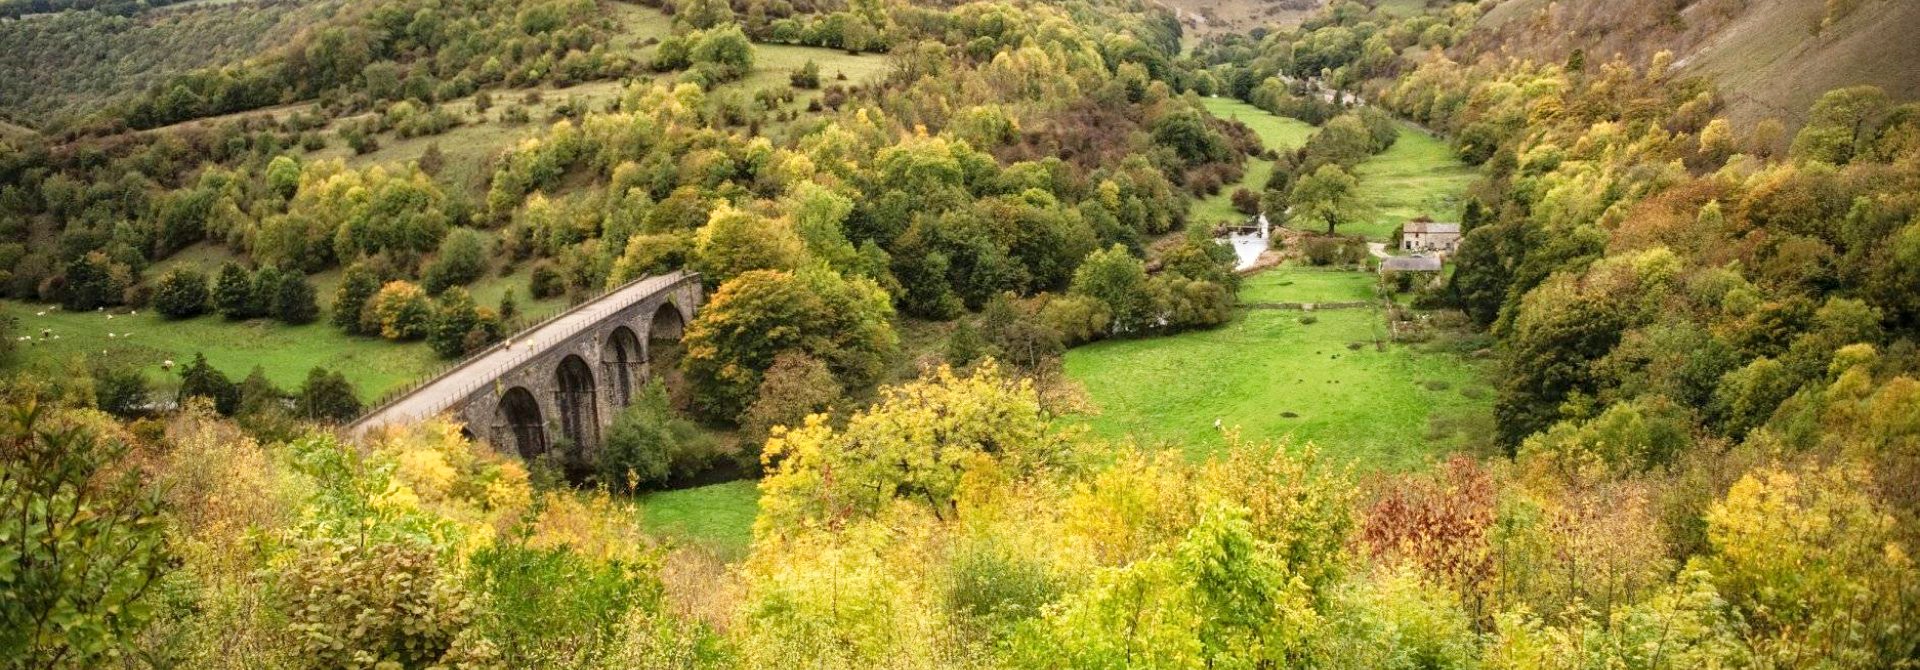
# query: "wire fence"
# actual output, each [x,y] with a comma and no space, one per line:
[577,303]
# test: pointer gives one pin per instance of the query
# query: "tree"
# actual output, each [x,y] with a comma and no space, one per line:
[81,545]
[736,241]
[89,283]
[1343,141]
[725,53]
[1119,281]
[1192,138]
[912,446]
[797,385]
[199,379]
[294,301]
[326,396]
[705,14]
[181,293]
[760,314]
[647,444]
[258,394]
[456,317]
[1329,195]
[400,311]
[233,292]
[1245,201]
[1841,124]
[462,258]
[357,288]
[1017,335]
[283,176]
[265,290]
[119,390]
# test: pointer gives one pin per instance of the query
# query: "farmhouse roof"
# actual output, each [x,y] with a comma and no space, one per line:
[1418,226]
[1411,264]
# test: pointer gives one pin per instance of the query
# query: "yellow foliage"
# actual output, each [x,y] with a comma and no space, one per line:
[592,524]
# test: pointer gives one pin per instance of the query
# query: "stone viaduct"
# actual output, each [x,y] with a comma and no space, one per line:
[563,378]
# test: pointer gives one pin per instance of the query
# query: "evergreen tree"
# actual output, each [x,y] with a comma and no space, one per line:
[455,318]
[258,394]
[233,292]
[326,396]
[293,301]
[266,287]
[357,287]
[200,379]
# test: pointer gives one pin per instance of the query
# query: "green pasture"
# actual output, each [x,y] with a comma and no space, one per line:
[1311,377]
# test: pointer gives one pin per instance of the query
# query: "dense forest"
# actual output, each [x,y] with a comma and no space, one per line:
[1705,442]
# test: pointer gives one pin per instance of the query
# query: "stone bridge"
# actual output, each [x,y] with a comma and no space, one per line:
[564,378]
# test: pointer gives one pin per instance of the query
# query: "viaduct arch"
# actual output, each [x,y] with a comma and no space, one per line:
[555,385]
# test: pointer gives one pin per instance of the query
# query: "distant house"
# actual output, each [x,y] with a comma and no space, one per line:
[1410,264]
[1425,235]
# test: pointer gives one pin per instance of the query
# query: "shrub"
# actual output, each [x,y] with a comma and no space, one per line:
[546,282]
[119,390]
[182,294]
[808,76]
[387,604]
[80,545]
[1321,250]
[552,607]
[647,444]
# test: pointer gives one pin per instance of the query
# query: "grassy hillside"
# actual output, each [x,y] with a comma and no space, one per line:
[1276,132]
[1203,18]
[1418,176]
[1769,58]
[76,62]
[1276,373]
[1770,62]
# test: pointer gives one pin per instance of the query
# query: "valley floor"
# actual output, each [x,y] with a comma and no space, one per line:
[1276,374]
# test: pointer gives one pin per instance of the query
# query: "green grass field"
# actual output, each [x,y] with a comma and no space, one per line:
[146,339]
[715,516]
[1300,284]
[1276,132]
[1371,406]
[1419,175]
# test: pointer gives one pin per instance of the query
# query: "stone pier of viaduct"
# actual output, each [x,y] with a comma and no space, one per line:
[562,379]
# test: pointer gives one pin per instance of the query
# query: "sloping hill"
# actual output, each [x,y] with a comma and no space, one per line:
[76,62]
[1769,58]
[13,130]
[1770,62]
[1203,18]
